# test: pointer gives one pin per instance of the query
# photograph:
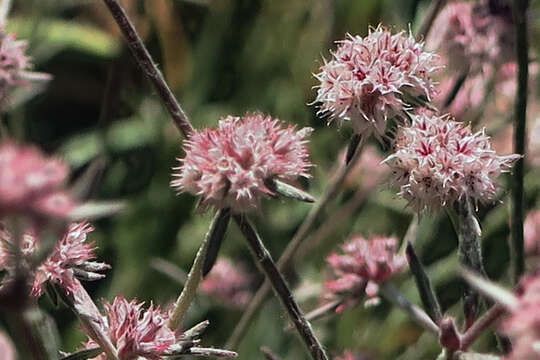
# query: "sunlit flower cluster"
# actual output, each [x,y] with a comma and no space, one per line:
[523,324]
[370,79]
[136,332]
[31,182]
[472,35]
[230,166]
[363,266]
[72,258]
[228,283]
[438,161]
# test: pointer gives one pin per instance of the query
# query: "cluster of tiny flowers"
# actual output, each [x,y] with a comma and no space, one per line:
[363,266]
[471,35]
[369,79]
[523,324]
[13,62]
[531,232]
[136,332]
[71,259]
[31,183]
[228,284]
[438,161]
[230,166]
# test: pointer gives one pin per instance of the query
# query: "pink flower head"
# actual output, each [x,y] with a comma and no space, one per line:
[229,166]
[136,332]
[31,182]
[531,231]
[228,283]
[363,265]
[367,79]
[438,161]
[523,324]
[471,35]
[73,257]
[13,61]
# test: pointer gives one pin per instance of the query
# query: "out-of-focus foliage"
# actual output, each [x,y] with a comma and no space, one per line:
[225,57]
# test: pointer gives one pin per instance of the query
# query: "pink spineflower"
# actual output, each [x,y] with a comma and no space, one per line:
[523,324]
[531,231]
[136,332]
[228,283]
[231,165]
[471,35]
[31,182]
[373,78]
[438,161]
[72,258]
[363,266]
[6,347]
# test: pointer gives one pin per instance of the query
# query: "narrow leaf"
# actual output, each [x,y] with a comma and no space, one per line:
[83,354]
[476,356]
[489,289]
[289,191]
[216,235]
[423,283]
[96,209]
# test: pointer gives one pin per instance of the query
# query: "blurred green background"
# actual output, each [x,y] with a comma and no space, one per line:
[224,57]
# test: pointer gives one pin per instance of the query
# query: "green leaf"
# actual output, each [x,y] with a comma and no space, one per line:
[83,354]
[96,209]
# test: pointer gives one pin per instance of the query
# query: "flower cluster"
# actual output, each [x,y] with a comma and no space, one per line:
[363,265]
[231,165]
[472,35]
[523,325]
[438,161]
[371,79]
[31,183]
[13,62]
[228,283]
[136,332]
[71,259]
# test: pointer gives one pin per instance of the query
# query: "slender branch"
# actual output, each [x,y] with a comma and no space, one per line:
[298,239]
[269,354]
[149,68]
[267,265]
[210,352]
[520,117]
[320,312]
[433,10]
[481,325]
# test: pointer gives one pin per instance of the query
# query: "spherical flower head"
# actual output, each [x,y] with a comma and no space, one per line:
[523,324]
[230,166]
[363,265]
[531,232]
[471,35]
[72,258]
[438,161]
[369,79]
[31,182]
[136,332]
[228,283]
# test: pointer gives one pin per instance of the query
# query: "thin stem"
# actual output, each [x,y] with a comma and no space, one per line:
[520,117]
[481,325]
[322,311]
[433,10]
[267,265]
[458,84]
[149,68]
[393,295]
[288,254]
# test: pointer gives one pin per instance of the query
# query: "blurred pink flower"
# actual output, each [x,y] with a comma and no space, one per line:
[228,283]
[531,231]
[438,161]
[368,170]
[71,259]
[136,332]
[470,35]
[523,324]
[363,266]
[31,182]
[229,166]
[369,79]
[349,355]
[7,350]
